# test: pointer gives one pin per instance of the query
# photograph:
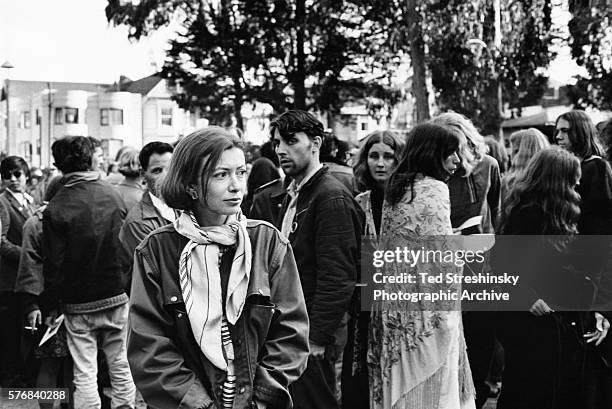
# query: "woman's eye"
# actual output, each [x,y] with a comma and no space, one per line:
[220,175]
[373,156]
[242,172]
[389,157]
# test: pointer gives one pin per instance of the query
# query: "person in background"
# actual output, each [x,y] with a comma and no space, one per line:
[544,348]
[130,188]
[377,158]
[417,356]
[475,190]
[497,151]
[337,169]
[323,223]
[113,176]
[217,315]
[36,178]
[531,142]
[16,206]
[268,200]
[576,133]
[97,161]
[264,170]
[84,267]
[54,356]
[151,212]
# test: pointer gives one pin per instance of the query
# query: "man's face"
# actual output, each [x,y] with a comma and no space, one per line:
[295,154]
[15,180]
[157,169]
[97,159]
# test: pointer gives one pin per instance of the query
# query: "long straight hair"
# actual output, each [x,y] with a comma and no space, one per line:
[363,177]
[582,134]
[427,146]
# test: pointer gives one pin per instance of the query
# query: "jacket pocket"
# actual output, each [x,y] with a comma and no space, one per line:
[261,314]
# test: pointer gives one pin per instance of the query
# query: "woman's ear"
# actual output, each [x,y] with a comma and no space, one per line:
[192,192]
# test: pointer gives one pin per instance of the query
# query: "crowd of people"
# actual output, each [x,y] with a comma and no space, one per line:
[195,281]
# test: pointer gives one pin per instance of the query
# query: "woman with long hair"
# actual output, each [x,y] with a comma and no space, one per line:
[377,158]
[475,190]
[531,142]
[417,357]
[576,133]
[541,353]
[217,315]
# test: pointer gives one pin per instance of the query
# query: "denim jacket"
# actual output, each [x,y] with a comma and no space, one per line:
[270,338]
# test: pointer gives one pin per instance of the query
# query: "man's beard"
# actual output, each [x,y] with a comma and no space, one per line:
[153,186]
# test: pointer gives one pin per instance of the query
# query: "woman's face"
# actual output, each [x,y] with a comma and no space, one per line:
[381,162]
[451,163]
[225,188]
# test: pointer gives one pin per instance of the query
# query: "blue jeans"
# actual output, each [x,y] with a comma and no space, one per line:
[107,331]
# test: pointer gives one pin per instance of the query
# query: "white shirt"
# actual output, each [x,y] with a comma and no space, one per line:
[166,211]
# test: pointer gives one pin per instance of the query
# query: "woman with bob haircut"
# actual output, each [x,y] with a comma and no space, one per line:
[217,317]
[417,356]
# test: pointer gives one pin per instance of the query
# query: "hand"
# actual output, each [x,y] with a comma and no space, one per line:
[34,318]
[316,351]
[50,319]
[602,325]
[540,308]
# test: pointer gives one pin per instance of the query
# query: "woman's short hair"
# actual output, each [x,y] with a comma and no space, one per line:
[548,183]
[427,147]
[363,178]
[195,155]
[472,146]
[129,163]
[531,142]
[12,163]
[582,134]
[605,136]
[72,154]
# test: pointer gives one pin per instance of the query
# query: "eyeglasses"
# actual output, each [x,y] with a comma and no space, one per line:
[16,173]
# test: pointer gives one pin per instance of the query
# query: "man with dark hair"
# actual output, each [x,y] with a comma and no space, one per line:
[323,223]
[151,212]
[84,269]
[16,206]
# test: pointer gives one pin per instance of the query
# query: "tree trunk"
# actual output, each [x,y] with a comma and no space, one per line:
[417,56]
[300,68]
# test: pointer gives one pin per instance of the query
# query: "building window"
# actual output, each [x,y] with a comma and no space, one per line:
[364,126]
[166,116]
[111,116]
[59,116]
[72,115]
[37,117]
[25,120]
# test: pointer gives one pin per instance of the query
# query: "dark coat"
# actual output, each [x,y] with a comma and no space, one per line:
[13,216]
[326,242]
[262,172]
[268,200]
[141,220]
[270,338]
[477,194]
[83,260]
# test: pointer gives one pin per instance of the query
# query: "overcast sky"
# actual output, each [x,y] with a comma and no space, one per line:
[70,40]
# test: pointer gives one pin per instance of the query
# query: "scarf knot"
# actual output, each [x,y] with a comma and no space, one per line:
[200,280]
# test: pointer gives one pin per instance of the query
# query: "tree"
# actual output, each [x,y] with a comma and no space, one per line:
[466,81]
[591,46]
[288,53]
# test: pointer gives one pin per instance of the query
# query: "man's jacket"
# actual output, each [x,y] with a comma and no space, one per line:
[326,237]
[270,338]
[83,260]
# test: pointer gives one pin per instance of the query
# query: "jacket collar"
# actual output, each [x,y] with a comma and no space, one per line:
[149,211]
[26,211]
[314,179]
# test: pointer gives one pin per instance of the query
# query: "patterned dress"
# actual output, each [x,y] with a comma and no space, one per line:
[417,356]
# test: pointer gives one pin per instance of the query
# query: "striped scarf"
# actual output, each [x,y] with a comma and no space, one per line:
[200,281]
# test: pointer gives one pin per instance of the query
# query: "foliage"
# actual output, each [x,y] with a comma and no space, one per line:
[591,45]
[465,79]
